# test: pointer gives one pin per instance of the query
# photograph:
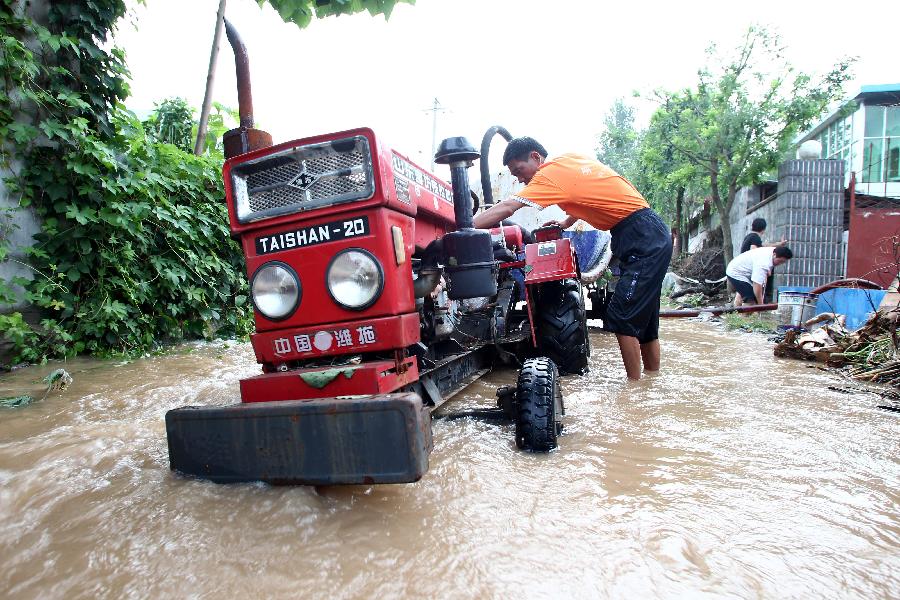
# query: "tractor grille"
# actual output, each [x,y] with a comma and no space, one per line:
[303,178]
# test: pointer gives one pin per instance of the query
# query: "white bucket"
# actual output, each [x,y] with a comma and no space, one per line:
[796,308]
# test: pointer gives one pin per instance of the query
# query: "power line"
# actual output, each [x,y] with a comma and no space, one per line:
[434,110]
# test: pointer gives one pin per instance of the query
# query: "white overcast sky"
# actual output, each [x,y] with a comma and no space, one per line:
[549,69]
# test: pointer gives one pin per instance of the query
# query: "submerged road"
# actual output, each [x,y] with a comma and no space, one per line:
[730,474]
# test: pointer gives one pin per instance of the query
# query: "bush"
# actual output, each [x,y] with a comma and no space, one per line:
[138,255]
[134,249]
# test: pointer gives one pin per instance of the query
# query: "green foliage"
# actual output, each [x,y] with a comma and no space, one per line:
[741,118]
[171,122]
[75,66]
[220,120]
[300,12]
[15,401]
[25,340]
[7,226]
[693,300]
[752,324]
[134,249]
[621,146]
[664,168]
[647,159]
[619,143]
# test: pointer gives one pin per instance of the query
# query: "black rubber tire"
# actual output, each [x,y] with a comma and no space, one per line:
[539,406]
[561,324]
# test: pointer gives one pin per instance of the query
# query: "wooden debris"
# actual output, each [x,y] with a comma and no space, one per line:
[871,353]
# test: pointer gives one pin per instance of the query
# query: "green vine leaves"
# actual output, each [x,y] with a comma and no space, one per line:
[134,248]
[300,12]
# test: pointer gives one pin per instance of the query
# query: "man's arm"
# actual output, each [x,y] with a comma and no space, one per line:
[761,270]
[758,292]
[496,213]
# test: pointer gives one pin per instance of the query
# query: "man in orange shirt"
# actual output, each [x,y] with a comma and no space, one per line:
[587,189]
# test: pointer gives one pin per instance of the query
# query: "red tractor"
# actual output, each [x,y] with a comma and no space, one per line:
[375,301]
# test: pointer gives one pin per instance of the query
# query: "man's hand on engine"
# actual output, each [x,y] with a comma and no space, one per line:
[565,223]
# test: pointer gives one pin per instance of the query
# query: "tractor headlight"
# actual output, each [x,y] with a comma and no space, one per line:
[355,279]
[276,290]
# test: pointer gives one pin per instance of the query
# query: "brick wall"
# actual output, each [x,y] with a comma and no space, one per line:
[809,214]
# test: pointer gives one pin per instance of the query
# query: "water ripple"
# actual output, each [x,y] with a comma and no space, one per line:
[729,474]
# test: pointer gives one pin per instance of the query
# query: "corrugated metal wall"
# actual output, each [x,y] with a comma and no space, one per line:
[871,246]
[810,215]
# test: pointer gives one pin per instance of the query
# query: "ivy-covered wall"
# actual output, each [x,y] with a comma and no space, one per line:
[133,248]
[17,226]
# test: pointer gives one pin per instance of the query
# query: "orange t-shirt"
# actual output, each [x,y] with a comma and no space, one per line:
[584,188]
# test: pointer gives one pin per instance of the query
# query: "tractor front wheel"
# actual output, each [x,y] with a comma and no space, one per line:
[539,406]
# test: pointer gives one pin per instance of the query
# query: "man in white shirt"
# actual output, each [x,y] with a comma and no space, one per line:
[749,271]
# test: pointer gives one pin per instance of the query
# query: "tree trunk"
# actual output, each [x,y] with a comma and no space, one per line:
[726,222]
[724,208]
[680,226]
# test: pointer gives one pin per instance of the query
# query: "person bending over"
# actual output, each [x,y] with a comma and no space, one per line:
[749,271]
[587,189]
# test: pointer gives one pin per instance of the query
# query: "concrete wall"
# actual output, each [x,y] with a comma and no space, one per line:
[810,214]
[740,221]
[701,222]
[807,211]
[748,197]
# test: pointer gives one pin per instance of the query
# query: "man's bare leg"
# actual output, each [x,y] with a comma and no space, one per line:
[631,355]
[738,301]
[650,356]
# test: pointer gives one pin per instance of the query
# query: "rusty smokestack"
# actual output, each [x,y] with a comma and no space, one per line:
[245,138]
[242,72]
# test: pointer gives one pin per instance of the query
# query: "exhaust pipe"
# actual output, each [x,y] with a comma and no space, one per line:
[468,251]
[245,138]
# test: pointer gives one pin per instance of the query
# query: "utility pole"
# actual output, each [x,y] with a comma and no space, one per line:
[210,78]
[435,108]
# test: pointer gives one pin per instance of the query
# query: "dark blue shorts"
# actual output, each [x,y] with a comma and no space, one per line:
[643,245]
[744,289]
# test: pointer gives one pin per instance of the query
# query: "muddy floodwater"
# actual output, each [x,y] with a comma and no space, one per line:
[731,474]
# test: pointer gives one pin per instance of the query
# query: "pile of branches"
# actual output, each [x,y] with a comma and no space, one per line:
[701,275]
[707,264]
[872,353]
